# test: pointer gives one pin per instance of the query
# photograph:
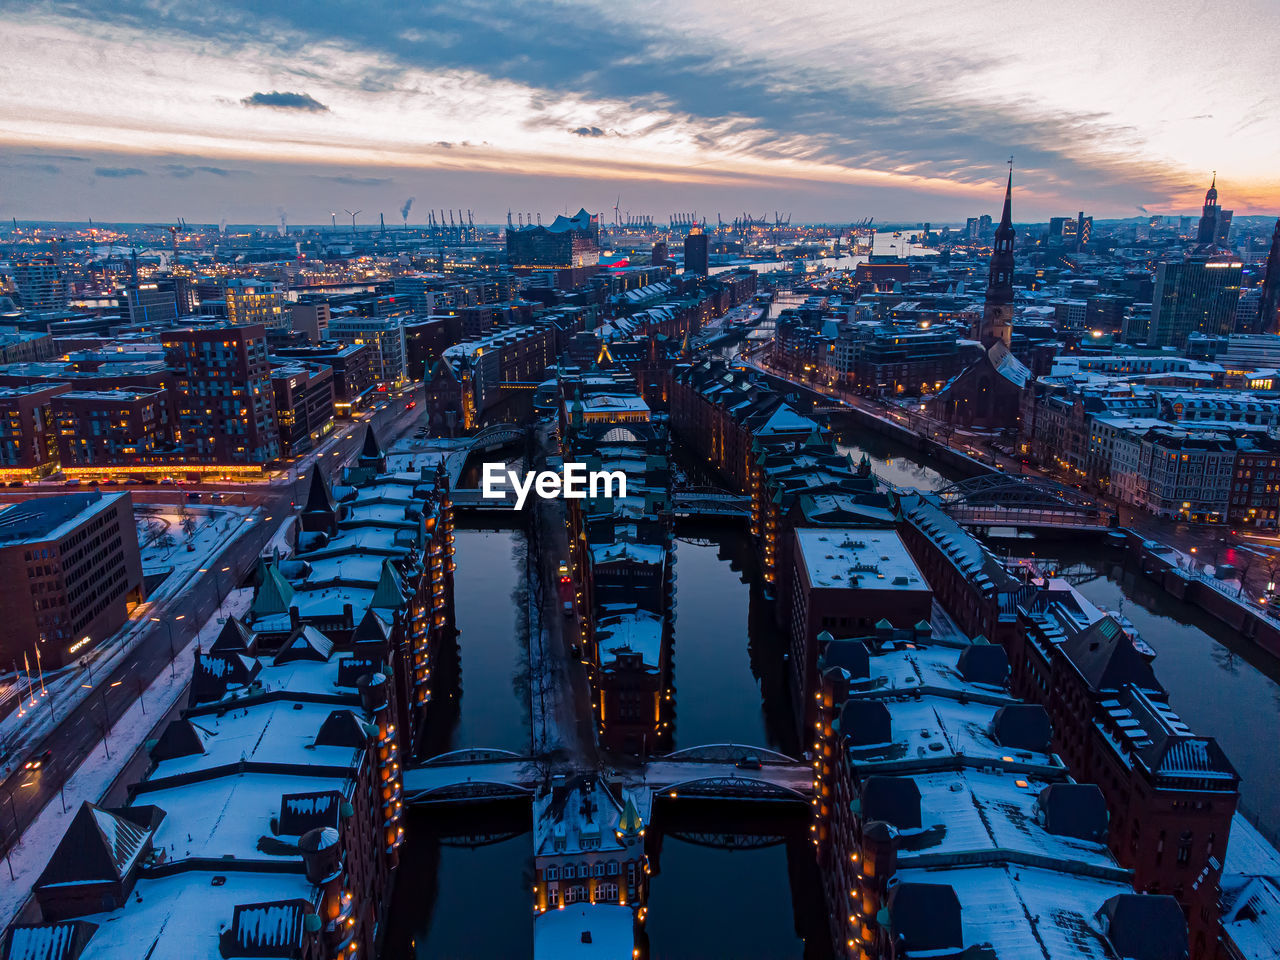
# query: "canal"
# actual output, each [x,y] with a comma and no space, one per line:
[1219,683]
[727,653]
[727,882]
[480,696]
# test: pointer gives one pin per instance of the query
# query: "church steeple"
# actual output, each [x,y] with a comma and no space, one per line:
[1208,230]
[997,312]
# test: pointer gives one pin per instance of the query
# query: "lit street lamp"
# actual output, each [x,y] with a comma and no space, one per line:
[173,653]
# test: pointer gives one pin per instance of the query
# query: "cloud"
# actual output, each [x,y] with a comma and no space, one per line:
[183,171]
[282,100]
[116,172]
[588,131]
[57,157]
[352,181]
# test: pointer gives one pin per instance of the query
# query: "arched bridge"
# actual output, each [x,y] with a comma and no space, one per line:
[718,771]
[709,501]
[496,435]
[1007,500]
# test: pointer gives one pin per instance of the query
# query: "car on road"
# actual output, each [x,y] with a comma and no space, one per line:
[38,761]
[217,496]
[411,404]
[17,483]
[72,483]
[749,762]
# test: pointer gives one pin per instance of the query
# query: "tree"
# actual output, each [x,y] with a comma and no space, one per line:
[188,524]
[165,541]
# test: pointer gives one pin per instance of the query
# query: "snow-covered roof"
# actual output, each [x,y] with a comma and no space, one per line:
[855,558]
[597,931]
[226,816]
[180,917]
[997,904]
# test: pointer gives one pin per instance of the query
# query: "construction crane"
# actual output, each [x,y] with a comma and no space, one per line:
[174,230]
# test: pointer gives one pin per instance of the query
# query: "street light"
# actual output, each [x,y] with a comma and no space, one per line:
[173,653]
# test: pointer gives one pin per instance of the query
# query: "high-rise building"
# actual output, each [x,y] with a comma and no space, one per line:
[1196,295]
[256,301]
[1084,230]
[997,310]
[695,252]
[39,284]
[1269,303]
[220,381]
[150,304]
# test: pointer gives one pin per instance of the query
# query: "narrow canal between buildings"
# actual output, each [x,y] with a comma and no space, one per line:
[480,684]
[728,667]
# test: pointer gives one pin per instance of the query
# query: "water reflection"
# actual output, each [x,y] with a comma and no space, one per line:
[728,666]
[480,682]
[1219,682]
[729,883]
[464,887]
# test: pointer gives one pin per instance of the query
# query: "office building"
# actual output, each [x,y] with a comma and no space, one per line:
[28,438]
[71,570]
[1195,295]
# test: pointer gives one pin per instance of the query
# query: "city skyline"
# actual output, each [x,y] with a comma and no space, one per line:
[147,113]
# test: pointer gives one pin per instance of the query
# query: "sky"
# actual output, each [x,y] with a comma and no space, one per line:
[251,111]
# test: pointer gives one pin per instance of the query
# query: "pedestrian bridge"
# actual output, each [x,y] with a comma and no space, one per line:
[716,771]
[709,502]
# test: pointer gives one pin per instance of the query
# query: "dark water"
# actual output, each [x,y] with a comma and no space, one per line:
[480,694]
[708,902]
[464,887]
[1219,683]
[728,661]
[893,462]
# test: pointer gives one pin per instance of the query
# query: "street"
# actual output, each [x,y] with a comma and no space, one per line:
[178,618]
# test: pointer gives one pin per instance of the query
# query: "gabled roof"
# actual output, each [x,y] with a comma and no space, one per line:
[305,643]
[274,596]
[99,846]
[389,593]
[371,449]
[300,812]
[1145,926]
[630,824]
[342,729]
[233,637]
[371,629]
[1107,659]
[926,916]
[319,496]
[179,739]
[266,930]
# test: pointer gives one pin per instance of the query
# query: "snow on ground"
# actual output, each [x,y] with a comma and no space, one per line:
[97,771]
[26,726]
[212,528]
